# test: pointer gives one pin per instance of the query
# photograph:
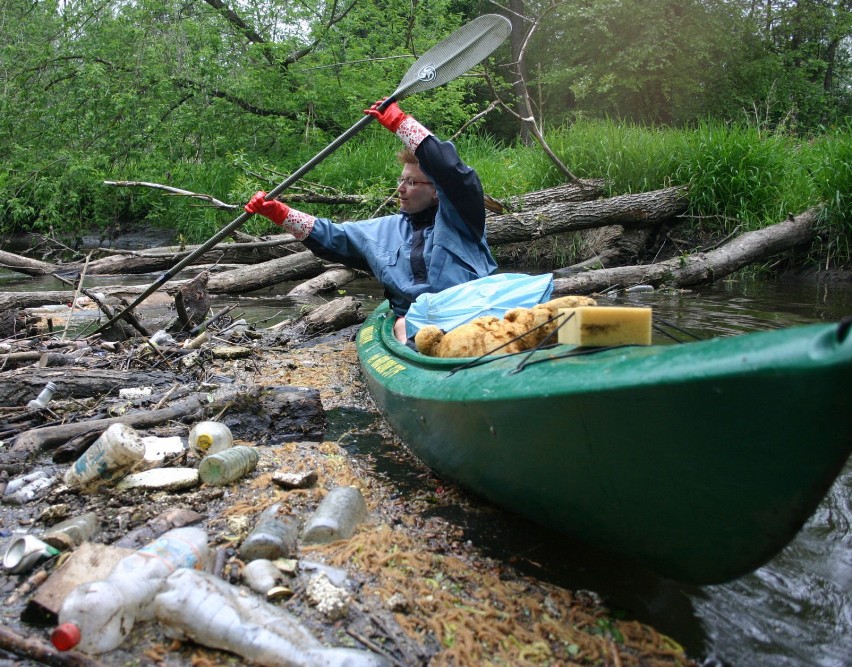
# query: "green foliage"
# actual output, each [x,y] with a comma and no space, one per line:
[739,177]
[180,94]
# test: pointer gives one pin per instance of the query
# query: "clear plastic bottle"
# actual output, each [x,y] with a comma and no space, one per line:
[273,536]
[107,460]
[212,612]
[72,532]
[96,616]
[227,466]
[210,437]
[337,516]
[41,401]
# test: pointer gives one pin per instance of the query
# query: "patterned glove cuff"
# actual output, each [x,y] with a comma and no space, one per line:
[412,133]
[299,224]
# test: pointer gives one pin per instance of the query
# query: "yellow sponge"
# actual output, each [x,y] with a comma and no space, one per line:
[602,326]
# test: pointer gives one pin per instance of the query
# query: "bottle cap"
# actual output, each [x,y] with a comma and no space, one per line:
[65,636]
[204,441]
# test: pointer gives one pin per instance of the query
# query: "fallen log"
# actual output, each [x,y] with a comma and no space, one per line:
[614,245]
[300,265]
[586,190]
[698,268]
[330,280]
[36,440]
[20,385]
[333,316]
[164,258]
[31,267]
[631,211]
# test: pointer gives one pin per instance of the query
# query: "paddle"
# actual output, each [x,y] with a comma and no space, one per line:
[455,55]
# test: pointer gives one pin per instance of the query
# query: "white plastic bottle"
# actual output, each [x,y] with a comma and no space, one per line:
[96,616]
[210,437]
[107,460]
[212,612]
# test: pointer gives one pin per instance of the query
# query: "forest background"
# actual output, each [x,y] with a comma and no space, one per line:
[747,102]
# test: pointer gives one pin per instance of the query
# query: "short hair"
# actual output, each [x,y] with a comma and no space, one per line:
[407,156]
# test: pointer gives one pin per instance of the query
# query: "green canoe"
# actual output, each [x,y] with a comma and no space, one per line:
[699,460]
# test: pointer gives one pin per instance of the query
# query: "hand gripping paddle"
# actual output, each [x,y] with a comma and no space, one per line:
[455,55]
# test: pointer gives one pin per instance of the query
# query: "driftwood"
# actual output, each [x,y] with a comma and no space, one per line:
[698,268]
[330,280]
[640,210]
[612,246]
[36,440]
[20,385]
[333,316]
[163,258]
[587,190]
[31,267]
[300,265]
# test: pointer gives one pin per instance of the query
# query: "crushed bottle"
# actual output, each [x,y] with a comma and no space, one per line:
[201,607]
[96,616]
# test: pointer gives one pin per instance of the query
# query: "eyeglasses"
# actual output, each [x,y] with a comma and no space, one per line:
[410,182]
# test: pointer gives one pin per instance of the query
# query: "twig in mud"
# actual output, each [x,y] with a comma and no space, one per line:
[80,280]
[211,320]
[373,646]
[38,650]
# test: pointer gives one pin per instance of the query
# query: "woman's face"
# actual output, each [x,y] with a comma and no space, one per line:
[416,192]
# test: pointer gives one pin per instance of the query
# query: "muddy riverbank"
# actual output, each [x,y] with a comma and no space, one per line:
[419,592]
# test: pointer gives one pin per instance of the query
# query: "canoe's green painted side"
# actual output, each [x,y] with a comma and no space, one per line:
[700,460]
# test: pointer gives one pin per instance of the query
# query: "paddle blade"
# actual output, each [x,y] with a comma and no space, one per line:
[455,55]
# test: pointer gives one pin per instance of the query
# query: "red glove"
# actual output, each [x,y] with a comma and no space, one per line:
[269,208]
[391,117]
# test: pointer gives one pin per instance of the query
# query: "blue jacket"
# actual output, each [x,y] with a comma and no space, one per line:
[427,252]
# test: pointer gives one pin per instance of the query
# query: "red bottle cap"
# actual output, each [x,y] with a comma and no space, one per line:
[65,636]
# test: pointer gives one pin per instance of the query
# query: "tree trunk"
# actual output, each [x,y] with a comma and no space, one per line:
[250,278]
[638,210]
[20,385]
[586,190]
[700,268]
[162,259]
[331,279]
[31,267]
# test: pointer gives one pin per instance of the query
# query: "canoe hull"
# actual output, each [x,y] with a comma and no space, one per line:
[701,461]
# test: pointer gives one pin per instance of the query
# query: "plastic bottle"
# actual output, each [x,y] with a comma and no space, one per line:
[108,459]
[41,401]
[96,616]
[72,532]
[273,537]
[212,612]
[210,437]
[337,516]
[224,467]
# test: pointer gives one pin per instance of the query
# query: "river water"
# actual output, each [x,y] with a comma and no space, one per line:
[796,610]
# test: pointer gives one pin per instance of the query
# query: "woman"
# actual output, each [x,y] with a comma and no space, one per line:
[436,241]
